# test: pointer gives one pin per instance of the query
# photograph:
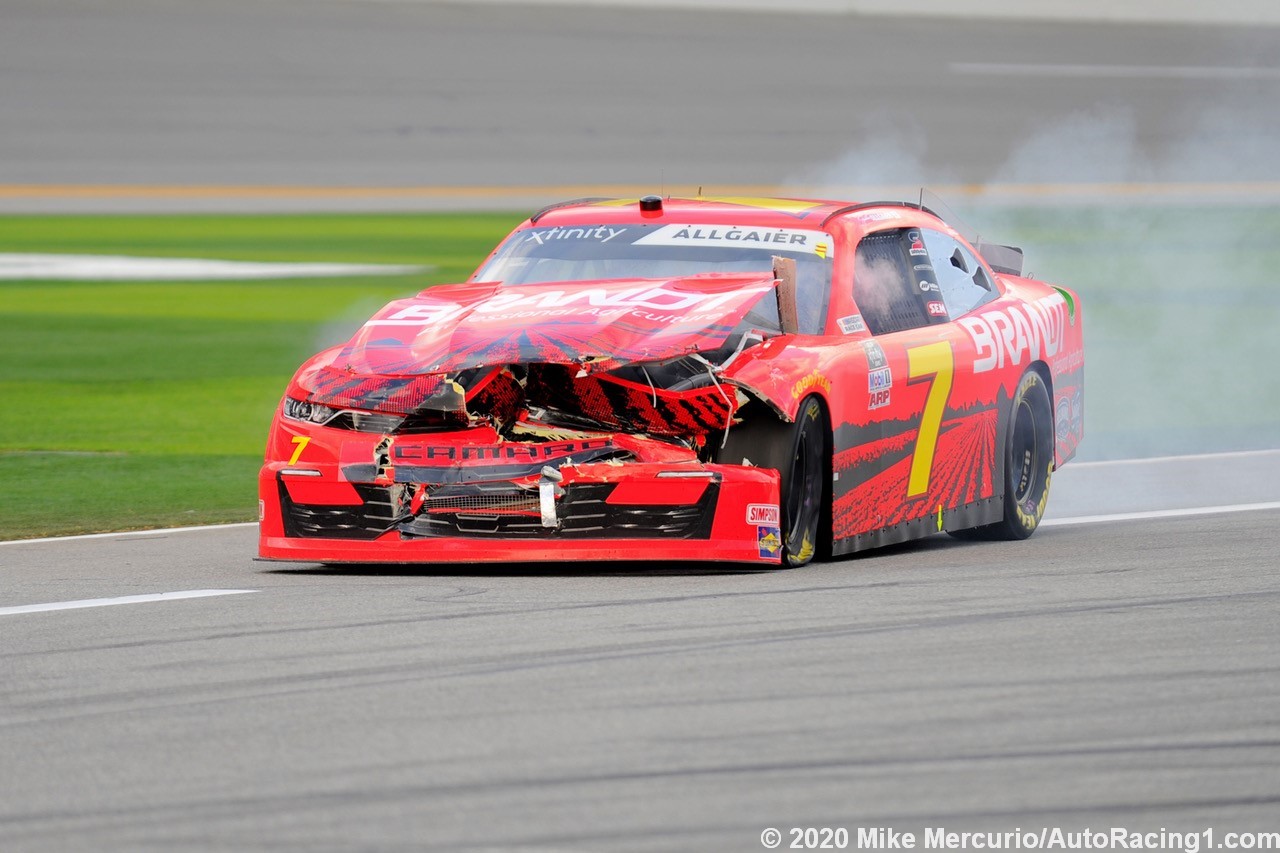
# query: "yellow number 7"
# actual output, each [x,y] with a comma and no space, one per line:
[938,361]
[302,441]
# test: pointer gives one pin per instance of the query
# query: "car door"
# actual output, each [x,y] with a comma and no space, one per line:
[922,456]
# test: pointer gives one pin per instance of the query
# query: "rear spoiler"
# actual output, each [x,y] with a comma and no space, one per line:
[1003,259]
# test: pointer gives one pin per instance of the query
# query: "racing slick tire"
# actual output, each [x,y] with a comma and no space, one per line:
[800,452]
[1029,459]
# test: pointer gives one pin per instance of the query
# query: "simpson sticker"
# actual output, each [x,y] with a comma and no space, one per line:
[725,236]
[879,380]
[875,355]
[936,309]
[769,540]
[851,325]
[764,514]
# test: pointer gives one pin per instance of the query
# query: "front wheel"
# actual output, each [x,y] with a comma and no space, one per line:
[1028,463]
[799,453]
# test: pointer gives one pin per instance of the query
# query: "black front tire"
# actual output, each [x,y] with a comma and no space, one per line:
[800,453]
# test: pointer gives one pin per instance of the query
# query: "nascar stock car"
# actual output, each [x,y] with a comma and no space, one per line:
[753,380]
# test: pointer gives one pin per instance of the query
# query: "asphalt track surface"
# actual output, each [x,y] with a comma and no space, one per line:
[1107,673]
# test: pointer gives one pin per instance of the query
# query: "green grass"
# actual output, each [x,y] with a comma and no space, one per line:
[129,405]
[146,404]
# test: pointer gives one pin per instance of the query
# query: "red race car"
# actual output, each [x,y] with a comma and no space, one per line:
[753,380]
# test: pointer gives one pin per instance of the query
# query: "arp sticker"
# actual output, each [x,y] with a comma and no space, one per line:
[852,324]
[769,540]
[764,514]
[878,399]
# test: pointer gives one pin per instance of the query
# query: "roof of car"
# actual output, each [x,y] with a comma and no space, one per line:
[770,212]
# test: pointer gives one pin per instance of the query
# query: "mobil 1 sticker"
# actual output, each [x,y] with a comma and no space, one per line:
[819,243]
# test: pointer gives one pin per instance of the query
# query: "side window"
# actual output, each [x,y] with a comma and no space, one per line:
[893,283]
[963,282]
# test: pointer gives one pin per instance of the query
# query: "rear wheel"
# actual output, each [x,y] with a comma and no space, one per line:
[1028,463]
[799,452]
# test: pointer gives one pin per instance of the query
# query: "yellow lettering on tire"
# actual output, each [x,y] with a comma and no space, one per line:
[302,441]
[938,362]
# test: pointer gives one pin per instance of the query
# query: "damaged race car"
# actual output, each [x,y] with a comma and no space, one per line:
[757,380]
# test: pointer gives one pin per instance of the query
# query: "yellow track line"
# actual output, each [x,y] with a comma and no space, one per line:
[1022,190]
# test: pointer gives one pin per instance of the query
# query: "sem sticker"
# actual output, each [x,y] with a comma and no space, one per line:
[937,309]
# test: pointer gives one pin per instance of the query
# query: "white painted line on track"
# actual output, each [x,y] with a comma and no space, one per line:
[1161,460]
[123,599]
[1159,513]
[162,531]
[1140,72]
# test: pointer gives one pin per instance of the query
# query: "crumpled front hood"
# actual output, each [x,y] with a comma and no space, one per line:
[450,328]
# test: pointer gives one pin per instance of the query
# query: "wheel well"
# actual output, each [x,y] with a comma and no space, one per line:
[1043,369]
[825,521]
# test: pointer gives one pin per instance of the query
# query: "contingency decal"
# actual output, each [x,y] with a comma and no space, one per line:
[807,383]
[764,515]
[770,541]
[917,244]
[875,355]
[819,243]
[852,325]
[879,376]
[879,382]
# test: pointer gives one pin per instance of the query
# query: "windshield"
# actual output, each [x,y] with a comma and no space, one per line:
[600,252]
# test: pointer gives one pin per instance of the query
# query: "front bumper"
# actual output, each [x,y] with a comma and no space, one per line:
[598,511]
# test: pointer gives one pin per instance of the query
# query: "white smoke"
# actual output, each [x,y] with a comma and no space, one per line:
[1170,241]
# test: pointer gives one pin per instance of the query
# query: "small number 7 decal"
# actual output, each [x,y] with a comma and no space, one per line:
[936,361]
[302,441]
